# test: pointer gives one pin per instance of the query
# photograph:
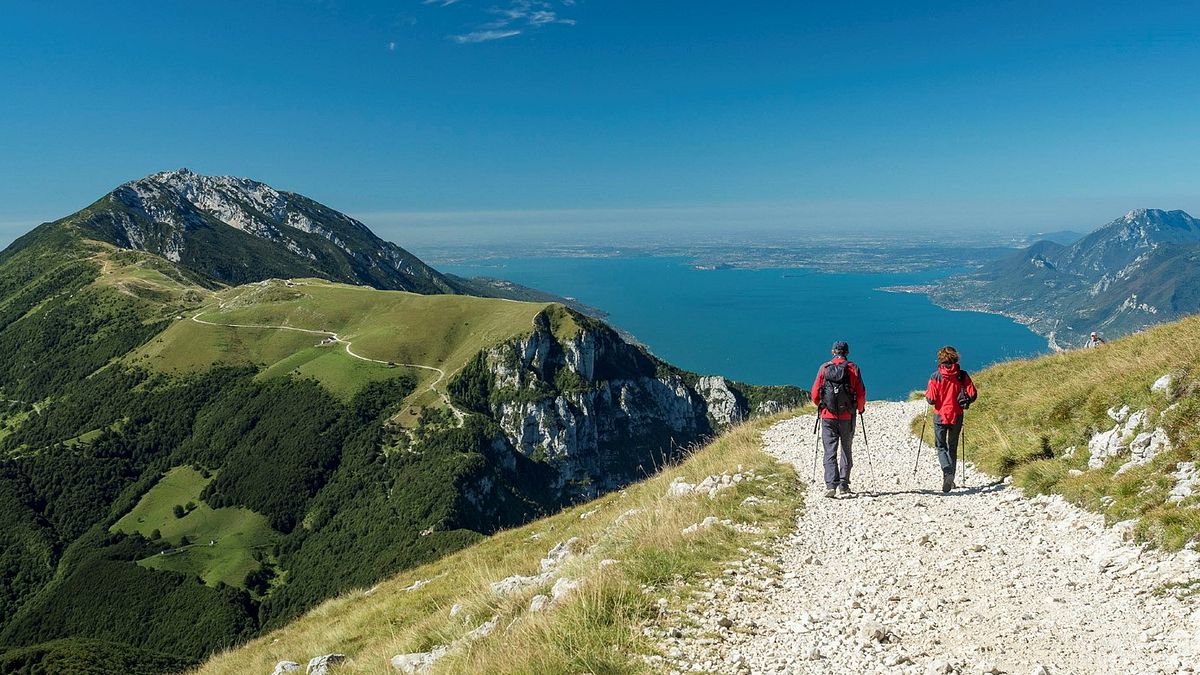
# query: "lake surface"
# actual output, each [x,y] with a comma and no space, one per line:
[773,326]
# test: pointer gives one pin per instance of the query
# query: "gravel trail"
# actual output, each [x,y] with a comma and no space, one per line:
[901,578]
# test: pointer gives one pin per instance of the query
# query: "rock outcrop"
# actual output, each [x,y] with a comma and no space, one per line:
[574,396]
[1134,435]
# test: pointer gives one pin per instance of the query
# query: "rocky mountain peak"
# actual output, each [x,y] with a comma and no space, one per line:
[239,230]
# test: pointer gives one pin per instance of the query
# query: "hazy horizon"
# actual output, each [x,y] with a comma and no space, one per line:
[697,224]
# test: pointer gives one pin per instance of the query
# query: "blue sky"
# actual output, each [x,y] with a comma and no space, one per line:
[447,120]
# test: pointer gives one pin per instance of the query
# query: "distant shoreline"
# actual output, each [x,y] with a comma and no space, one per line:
[1026,321]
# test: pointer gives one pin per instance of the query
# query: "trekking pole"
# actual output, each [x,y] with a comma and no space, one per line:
[817,444]
[867,446]
[920,440]
[962,447]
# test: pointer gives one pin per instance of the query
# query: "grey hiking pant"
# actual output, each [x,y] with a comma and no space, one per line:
[835,435]
[946,437]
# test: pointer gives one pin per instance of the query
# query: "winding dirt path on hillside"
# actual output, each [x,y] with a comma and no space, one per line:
[904,579]
[458,414]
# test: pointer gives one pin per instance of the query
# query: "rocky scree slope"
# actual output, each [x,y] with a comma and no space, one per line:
[1139,270]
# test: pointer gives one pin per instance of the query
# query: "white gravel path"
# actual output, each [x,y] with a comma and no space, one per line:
[904,579]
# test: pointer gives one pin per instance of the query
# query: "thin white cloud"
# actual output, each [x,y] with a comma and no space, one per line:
[517,17]
[483,36]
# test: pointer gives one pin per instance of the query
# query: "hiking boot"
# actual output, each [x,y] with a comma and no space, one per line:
[831,493]
[844,490]
[947,482]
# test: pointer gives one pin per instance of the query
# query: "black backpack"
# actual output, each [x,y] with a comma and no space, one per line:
[837,395]
[964,399]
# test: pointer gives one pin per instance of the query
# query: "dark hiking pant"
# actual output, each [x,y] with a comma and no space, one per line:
[835,435]
[946,438]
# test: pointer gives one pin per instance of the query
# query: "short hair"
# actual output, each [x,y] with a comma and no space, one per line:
[841,347]
[947,354]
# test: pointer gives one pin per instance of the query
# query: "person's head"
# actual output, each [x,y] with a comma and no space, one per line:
[947,355]
[1094,334]
[841,348]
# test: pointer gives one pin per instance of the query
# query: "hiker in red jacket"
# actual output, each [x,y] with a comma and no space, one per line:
[950,392]
[839,394]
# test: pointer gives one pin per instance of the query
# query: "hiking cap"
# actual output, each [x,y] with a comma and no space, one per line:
[841,347]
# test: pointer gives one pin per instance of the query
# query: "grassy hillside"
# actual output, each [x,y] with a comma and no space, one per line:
[389,326]
[1031,413]
[594,629]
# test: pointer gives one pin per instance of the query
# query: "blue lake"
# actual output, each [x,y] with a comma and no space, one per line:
[773,326]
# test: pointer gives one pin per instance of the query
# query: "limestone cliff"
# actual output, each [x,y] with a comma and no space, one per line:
[573,396]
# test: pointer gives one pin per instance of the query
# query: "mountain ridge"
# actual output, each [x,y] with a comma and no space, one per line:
[237,230]
[1134,272]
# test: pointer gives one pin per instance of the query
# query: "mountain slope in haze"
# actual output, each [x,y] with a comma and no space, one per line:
[185,463]
[1139,270]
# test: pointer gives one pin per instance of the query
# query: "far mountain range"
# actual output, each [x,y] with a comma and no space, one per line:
[1137,271]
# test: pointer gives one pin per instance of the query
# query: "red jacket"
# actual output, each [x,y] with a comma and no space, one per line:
[856,383]
[945,388]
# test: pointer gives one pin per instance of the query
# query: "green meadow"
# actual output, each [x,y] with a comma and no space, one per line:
[222,542]
[437,331]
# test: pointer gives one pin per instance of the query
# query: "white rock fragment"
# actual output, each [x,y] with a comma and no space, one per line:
[1186,476]
[680,488]
[559,554]
[320,665]
[562,588]
[1162,385]
[482,630]
[515,583]
[419,662]
[702,525]
[621,519]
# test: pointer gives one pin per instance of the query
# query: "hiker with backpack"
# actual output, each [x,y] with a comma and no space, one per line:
[1094,341]
[950,392]
[840,395]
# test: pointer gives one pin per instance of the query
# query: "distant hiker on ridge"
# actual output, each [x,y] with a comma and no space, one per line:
[950,392]
[839,394]
[1094,341]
